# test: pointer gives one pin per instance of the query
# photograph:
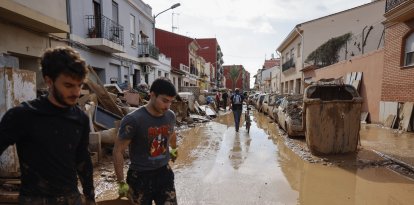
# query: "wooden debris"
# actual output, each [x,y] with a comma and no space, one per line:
[364,117]
[354,79]
[103,95]
[105,119]
[132,99]
[95,144]
[390,121]
[407,111]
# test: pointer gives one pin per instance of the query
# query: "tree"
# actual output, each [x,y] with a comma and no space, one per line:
[233,75]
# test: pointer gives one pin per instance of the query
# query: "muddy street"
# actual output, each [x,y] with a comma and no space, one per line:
[216,165]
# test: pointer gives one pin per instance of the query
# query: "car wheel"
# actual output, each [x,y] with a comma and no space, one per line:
[288,131]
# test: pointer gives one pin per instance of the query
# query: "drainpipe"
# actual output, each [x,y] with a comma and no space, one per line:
[280,72]
[69,17]
[301,55]
[362,42]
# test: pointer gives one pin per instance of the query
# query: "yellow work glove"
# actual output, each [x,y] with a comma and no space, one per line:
[123,189]
[173,154]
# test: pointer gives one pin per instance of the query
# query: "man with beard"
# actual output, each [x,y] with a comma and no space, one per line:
[149,133]
[52,135]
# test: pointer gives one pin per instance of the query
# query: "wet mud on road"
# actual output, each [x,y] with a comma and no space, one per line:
[216,165]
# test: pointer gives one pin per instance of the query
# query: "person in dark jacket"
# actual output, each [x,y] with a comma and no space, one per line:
[225,96]
[237,106]
[51,135]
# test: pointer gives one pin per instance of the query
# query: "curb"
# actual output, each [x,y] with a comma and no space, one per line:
[396,161]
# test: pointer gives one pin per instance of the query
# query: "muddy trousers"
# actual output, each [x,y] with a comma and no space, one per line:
[72,199]
[237,115]
[155,185]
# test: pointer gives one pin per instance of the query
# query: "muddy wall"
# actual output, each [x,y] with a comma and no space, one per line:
[371,65]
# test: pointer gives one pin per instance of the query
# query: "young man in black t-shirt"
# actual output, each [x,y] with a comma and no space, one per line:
[52,135]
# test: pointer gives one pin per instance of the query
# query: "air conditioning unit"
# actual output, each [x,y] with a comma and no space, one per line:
[146,69]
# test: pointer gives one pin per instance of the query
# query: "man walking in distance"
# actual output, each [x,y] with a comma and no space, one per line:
[225,96]
[52,135]
[148,131]
[237,106]
[218,97]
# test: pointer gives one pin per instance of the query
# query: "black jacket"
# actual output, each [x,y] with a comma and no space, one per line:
[52,145]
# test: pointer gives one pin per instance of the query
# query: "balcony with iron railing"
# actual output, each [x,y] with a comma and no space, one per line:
[104,34]
[184,68]
[289,64]
[391,4]
[147,49]
[193,70]
[103,27]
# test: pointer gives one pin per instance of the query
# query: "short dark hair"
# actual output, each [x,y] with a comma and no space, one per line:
[163,86]
[63,60]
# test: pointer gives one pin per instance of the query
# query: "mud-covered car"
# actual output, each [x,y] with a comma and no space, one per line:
[277,99]
[265,104]
[259,101]
[289,115]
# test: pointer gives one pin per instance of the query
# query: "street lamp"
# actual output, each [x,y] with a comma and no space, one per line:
[155,16]
[172,7]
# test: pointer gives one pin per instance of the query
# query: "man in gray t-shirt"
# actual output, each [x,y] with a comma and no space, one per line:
[149,133]
[149,137]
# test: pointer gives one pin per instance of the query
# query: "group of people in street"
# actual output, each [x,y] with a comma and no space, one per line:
[51,134]
[222,99]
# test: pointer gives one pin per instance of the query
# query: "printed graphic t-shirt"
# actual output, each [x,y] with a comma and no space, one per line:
[150,135]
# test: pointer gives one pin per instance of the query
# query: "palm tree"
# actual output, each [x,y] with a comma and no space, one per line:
[233,75]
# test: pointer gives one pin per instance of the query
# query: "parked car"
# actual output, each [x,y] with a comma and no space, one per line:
[269,103]
[250,99]
[277,99]
[265,104]
[254,99]
[259,101]
[289,115]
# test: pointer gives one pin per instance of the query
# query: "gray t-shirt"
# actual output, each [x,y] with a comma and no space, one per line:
[150,136]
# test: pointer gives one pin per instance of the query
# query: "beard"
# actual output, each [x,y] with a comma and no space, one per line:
[60,98]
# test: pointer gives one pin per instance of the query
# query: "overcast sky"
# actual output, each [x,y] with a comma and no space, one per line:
[248,31]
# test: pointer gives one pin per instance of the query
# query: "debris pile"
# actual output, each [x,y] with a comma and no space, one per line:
[295,106]
[107,104]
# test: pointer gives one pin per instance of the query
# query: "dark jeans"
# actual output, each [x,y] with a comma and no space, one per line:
[157,185]
[237,114]
[71,199]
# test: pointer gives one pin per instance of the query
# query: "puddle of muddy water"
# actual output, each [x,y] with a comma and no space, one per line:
[221,166]
[390,142]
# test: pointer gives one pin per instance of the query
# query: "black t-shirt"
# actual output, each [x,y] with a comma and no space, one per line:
[52,145]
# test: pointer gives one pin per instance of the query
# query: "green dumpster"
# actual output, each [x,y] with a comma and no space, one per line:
[331,115]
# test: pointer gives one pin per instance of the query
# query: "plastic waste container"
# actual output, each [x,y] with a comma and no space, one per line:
[332,115]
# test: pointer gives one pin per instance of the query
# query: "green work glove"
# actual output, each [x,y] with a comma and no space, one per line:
[173,154]
[123,189]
